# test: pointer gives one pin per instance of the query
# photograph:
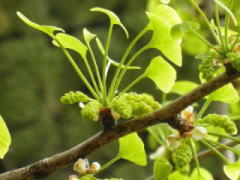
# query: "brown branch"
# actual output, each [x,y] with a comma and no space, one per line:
[49,165]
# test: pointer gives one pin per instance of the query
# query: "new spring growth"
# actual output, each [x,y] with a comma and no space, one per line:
[73,177]
[83,167]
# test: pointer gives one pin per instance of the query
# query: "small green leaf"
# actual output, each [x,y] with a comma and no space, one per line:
[222,5]
[88,36]
[5,138]
[161,132]
[178,30]
[46,29]
[70,42]
[225,94]
[162,19]
[100,46]
[183,87]
[132,149]
[88,177]
[232,170]
[178,176]
[161,169]
[112,16]
[162,74]
[204,174]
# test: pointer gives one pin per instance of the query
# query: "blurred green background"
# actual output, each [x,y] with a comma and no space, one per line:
[34,74]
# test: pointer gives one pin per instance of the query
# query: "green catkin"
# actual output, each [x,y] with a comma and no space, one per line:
[207,68]
[74,97]
[129,105]
[234,59]
[91,111]
[220,121]
[182,156]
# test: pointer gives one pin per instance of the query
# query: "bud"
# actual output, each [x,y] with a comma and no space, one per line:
[81,166]
[187,113]
[160,152]
[199,133]
[173,142]
[94,167]
[73,177]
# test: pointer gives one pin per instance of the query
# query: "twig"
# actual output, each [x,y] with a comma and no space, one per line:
[49,165]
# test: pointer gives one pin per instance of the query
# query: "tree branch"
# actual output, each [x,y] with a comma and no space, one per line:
[166,114]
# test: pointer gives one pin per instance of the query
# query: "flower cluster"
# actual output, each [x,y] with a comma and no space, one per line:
[182,156]
[207,68]
[220,121]
[129,105]
[74,97]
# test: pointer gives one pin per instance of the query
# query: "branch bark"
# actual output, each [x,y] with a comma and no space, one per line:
[166,114]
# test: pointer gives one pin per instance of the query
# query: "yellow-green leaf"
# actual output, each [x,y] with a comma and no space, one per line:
[162,19]
[161,169]
[183,87]
[204,174]
[70,42]
[225,94]
[46,29]
[132,149]
[5,138]
[162,74]
[232,170]
[112,16]
[88,36]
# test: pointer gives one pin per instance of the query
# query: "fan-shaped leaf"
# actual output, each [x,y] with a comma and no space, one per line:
[46,29]
[70,42]
[162,74]
[232,170]
[183,87]
[88,36]
[5,138]
[178,30]
[112,16]
[162,168]
[132,149]
[225,94]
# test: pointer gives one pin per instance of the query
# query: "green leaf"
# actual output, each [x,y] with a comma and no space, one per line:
[225,94]
[88,36]
[222,5]
[162,19]
[112,16]
[162,74]
[178,30]
[88,177]
[183,87]
[178,176]
[161,132]
[70,42]
[161,169]
[204,174]
[5,138]
[46,29]
[232,170]
[132,149]
[100,46]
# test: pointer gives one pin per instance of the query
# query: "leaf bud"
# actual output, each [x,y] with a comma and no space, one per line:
[81,166]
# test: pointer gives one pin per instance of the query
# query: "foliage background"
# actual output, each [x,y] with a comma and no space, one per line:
[34,74]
